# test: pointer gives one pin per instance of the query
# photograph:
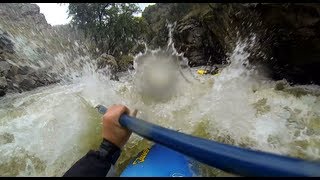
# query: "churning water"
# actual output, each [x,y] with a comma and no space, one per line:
[44,131]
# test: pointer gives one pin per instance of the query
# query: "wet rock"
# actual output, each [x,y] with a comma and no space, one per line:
[4,68]
[24,70]
[27,9]
[23,12]
[281,85]
[188,40]
[286,35]
[12,72]
[124,62]
[210,31]
[6,44]
[6,138]
[195,33]
[106,59]
[27,84]
[3,86]
[295,42]
[22,19]
[43,77]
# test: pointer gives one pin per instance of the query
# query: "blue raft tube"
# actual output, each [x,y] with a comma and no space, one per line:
[171,155]
[159,161]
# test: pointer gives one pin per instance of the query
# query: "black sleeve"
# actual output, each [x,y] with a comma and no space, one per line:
[95,163]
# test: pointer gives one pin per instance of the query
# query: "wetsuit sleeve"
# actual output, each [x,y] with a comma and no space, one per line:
[95,163]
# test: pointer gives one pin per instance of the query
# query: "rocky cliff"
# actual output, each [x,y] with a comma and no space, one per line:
[29,48]
[12,76]
[287,35]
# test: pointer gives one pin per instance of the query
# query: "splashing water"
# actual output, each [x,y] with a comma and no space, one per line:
[44,131]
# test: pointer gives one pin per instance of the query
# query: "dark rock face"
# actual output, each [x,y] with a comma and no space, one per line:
[15,78]
[29,10]
[198,44]
[287,35]
[4,68]
[6,45]
[158,16]
[23,12]
[3,86]
[295,41]
[27,84]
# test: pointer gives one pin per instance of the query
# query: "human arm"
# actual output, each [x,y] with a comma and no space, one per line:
[98,163]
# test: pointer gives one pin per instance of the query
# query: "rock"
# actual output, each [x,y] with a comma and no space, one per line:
[12,72]
[24,70]
[41,20]
[287,38]
[124,62]
[23,82]
[4,68]
[6,138]
[3,82]
[158,16]
[294,41]
[201,43]
[199,38]
[17,79]
[28,9]
[3,86]
[23,13]
[27,84]
[106,59]
[27,38]
[6,44]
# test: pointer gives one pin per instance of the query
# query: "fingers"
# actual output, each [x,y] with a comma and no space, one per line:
[121,109]
[115,111]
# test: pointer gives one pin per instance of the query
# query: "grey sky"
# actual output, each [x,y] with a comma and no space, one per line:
[57,14]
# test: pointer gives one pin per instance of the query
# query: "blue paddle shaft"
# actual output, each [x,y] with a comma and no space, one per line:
[229,158]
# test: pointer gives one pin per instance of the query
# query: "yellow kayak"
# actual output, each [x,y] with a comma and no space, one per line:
[202,71]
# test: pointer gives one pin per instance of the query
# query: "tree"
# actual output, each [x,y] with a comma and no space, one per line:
[111,26]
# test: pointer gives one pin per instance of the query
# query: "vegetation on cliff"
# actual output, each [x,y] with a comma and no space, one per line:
[111,26]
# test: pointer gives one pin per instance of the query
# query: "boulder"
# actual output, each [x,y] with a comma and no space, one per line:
[6,44]
[12,72]
[27,83]
[106,59]
[4,68]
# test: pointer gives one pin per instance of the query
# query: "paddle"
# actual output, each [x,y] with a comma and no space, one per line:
[226,157]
